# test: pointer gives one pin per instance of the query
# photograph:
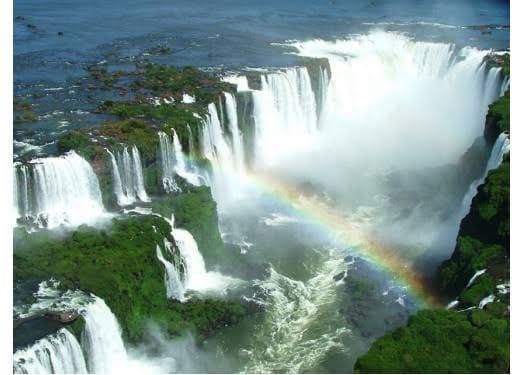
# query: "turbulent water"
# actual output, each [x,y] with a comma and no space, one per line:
[57,190]
[293,337]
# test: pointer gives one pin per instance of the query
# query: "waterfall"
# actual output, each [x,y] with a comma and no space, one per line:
[122,198]
[240,81]
[324,80]
[59,353]
[378,98]
[237,142]
[186,270]
[57,191]
[139,179]
[475,276]
[504,86]
[174,284]
[173,161]
[215,148]
[128,180]
[191,144]
[285,115]
[189,250]
[500,147]
[102,339]
[168,161]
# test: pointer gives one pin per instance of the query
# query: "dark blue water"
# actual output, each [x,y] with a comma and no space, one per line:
[54,40]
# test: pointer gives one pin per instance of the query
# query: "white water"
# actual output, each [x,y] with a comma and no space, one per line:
[383,93]
[58,191]
[215,147]
[240,81]
[301,323]
[236,135]
[173,161]
[128,180]
[485,301]
[197,278]
[104,347]
[175,287]
[59,353]
[285,115]
[475,276]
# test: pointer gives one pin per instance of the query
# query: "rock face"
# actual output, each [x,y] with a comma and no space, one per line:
[370,300]
[63,317]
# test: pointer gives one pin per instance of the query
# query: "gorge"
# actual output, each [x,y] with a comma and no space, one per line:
[272,219]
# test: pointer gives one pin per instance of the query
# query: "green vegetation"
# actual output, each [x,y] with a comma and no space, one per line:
[443,341]
[26,116]
[120,266]
[483,286]
[471,255]
[196,211]
[100,73]
[178,117]
[133,132]
[498,116]
[78,141]
[163,80]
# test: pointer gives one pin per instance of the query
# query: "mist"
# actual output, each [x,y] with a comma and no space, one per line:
[397,118]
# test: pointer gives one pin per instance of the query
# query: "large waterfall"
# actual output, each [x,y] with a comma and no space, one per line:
[57,190]
[173,161]
[59,353]
[128,180]
[285,115]
[432,98]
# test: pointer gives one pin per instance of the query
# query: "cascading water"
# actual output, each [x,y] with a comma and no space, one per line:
[237,142]
[215,147]
[173,161]
[285,115]
[175,284]
[240,81]
[102,342]
[128,180]
[58,191]
[499,149]
[102,339]
[194,276]
[59,353]
[394,73]
[324,81]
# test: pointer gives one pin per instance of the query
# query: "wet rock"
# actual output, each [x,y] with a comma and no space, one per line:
[339,276]
[63,317]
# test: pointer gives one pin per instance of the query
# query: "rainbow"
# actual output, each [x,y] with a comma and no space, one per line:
[331,220]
